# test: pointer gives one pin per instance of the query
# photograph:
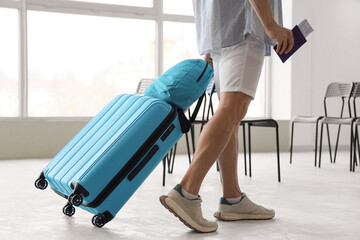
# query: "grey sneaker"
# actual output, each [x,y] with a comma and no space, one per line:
[188,211]
[243,210]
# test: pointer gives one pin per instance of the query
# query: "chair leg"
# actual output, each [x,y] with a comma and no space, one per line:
[278,153]
[164,171]
[169,158]
[316,139]
[328,134]
[358,145]
[249,144]
[337,143]
[352,142]
[244,144]
[354,159]
[320,150]
[171,169]
[193,137]
[291,141]
[188,147]
[203,115]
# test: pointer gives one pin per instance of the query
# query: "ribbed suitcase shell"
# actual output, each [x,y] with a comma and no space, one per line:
[105,145]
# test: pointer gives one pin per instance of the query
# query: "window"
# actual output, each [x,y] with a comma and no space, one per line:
[179,7]
[77,63]
[9,63]
[75,57]
[137,3]
[179,43]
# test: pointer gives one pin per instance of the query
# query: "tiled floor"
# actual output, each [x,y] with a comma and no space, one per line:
[310,203]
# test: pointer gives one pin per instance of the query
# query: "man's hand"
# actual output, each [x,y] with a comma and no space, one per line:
[283,37]
[208,58]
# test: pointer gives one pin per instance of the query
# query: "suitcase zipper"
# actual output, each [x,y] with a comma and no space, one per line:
[133,162]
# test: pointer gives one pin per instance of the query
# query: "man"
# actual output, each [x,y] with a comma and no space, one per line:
[233,35]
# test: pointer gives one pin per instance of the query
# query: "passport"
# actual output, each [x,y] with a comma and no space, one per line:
[300,32]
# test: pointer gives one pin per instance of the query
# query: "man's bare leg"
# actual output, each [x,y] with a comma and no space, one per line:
[228,167]
[215,137]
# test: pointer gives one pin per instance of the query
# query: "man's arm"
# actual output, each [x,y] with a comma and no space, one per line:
[282,36]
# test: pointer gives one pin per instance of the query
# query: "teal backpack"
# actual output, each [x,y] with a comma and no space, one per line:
[182,84]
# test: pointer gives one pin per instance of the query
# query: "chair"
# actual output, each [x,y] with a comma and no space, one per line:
[260,123]
[255,122]
[354,161]
[207,112]
[333,90]
[343,90]
[356,94]
[308,120]
[143,84]
[339,121]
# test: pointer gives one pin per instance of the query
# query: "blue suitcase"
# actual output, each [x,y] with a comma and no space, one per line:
[105,163]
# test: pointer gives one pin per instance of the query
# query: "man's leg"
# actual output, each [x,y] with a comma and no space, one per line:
[214,138]
[235,205]
[228,167]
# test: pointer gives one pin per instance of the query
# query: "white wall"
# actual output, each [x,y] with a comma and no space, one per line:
[330,55]
[280,75]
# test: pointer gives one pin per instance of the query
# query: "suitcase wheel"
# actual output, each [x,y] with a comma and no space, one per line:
[41,183]
[99,220]
[69,210]
[76,199]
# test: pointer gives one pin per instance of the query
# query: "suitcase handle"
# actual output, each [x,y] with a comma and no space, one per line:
[143,163]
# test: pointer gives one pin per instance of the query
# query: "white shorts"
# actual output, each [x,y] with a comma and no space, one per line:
[238,68]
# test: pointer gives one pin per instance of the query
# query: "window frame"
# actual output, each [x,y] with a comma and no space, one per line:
[154,13]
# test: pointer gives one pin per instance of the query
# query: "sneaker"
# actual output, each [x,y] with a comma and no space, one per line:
[188,211]
[245,209]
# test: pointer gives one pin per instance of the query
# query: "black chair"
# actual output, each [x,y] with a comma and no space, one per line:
[344,91]
[207,109]
[260,123]
[207,112]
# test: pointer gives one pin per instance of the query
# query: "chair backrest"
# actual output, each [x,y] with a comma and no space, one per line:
[339,90]
[143,84]
[356,90]
[355,94]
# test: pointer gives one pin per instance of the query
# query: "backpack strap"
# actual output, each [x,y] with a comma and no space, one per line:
[185,123]
[197,108]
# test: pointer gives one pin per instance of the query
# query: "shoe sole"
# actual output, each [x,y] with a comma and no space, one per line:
[238,217]
[163,202]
